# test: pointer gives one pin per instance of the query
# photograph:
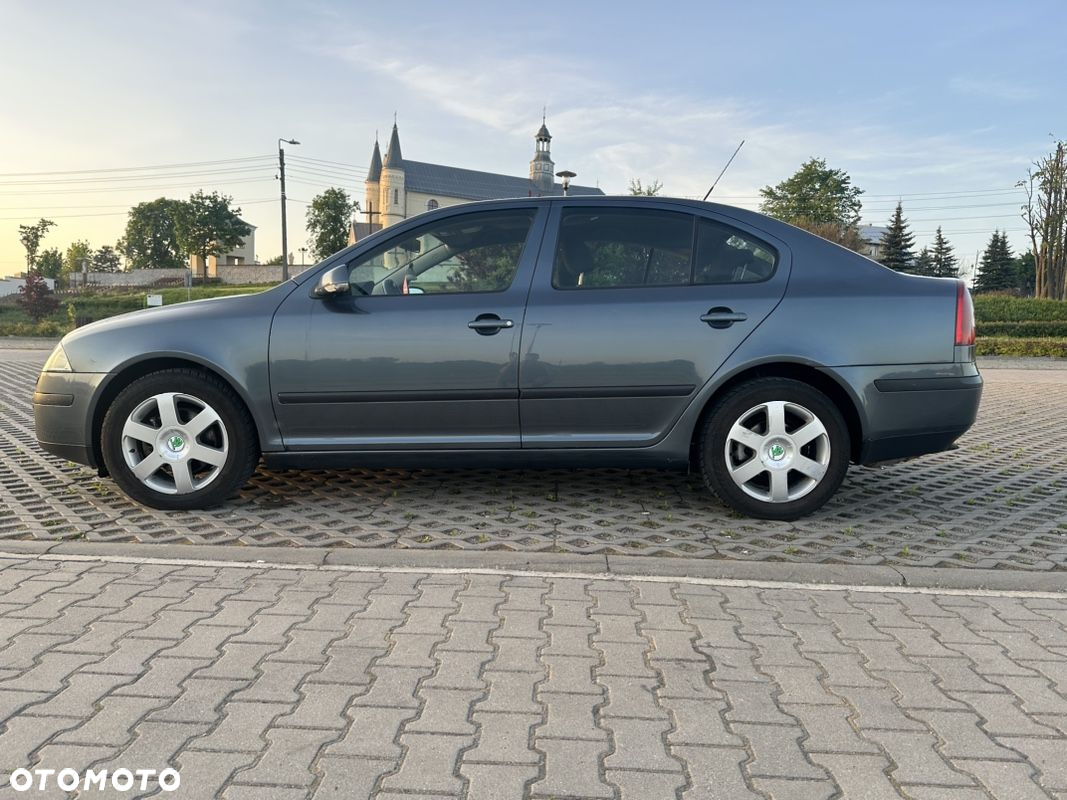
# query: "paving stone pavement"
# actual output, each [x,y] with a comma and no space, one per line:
[273,681]
[1000,501]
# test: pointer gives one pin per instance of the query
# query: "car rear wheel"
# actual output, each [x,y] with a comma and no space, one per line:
[774,448]
[179,439]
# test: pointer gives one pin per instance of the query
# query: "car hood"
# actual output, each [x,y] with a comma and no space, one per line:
[181,328]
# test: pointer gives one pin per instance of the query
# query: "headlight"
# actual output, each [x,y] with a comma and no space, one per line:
[57,362]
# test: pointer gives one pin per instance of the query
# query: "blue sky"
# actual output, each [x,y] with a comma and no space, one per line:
[943,104]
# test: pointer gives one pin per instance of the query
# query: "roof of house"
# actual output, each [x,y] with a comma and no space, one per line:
[872,233]
[471,184]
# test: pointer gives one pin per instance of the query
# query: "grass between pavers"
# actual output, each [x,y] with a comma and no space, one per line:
[100,304]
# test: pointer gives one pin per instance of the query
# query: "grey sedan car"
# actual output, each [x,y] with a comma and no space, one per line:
[578,332]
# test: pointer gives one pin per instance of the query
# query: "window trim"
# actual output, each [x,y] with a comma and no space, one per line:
[696,218]
[426,227]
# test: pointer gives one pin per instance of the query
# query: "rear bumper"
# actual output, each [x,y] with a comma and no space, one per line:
[62,414]
[913,416]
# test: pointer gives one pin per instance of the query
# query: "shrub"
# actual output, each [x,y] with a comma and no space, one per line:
[1029,329]
[1005,308]
[1022,347]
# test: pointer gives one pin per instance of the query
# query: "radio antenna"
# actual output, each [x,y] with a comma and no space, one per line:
[728,163]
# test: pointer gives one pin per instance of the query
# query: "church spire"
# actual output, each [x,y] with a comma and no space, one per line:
[541,167]
[374,174]
[394,159]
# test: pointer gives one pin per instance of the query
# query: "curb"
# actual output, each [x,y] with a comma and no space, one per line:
[642,566]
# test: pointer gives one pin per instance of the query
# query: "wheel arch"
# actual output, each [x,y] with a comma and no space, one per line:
[823,380]
[131,371]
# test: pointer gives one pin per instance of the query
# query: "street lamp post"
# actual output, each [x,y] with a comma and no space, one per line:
[303,250]
[285,235]
[566,175]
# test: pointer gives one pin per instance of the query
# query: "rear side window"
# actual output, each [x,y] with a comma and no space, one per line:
[727,255]
[611,248]
[626,248]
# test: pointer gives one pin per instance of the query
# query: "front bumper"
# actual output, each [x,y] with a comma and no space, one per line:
[63,405]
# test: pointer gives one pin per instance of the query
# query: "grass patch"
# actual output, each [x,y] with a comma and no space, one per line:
[97,304]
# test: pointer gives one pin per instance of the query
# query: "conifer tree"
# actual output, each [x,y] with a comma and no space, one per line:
[997,269]
[924,263]
[945,263]
[897,244]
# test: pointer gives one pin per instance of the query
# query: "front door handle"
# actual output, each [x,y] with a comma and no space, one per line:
[722,317]
[488,324]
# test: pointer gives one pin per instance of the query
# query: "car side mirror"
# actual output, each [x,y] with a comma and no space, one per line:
[333,283]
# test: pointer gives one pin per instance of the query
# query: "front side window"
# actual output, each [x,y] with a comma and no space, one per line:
[470,253]
[612,248]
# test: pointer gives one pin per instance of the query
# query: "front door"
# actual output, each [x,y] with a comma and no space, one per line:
[633,308]
[422,353]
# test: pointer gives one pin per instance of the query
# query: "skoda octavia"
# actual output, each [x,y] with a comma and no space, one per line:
[575,331]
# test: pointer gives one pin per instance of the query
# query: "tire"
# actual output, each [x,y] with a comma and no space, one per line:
[774,448]
[156,428]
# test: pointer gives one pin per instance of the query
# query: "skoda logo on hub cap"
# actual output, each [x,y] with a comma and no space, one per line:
[777,452]
[176,443]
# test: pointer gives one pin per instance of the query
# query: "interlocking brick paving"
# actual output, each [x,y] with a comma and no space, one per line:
[279,682]
[1000,501]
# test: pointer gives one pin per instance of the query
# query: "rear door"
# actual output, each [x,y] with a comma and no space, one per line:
[633,307]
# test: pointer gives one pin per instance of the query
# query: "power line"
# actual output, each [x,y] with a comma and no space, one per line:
[186,184]
[133,169]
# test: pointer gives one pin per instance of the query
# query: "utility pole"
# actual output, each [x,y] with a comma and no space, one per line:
[285,234]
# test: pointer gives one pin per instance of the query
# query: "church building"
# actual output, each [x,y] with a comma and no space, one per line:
[397,188]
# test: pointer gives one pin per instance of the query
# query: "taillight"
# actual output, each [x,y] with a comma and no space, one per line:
[964,316]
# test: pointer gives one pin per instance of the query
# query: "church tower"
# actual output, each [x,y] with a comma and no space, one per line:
[373,187]
[542,169]
[393,202]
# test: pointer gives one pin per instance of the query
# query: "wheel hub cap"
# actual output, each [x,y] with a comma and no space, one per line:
[175,443]
[777,451]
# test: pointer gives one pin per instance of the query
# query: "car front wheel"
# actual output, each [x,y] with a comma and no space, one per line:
[774,448]
[179,439]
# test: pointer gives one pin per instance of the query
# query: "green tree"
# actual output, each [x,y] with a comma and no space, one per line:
[814,194]
[997,271]
[1025,274]
[151,238]
[36,299]
[944,261]
[924,263]
[105,260]
[50,263]
[276,261]
[897,244]
[206,226]
[328,219]
[31,236]
[78,252]
[651,190]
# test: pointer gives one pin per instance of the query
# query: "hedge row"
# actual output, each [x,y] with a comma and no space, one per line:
[1004,308]
[1022,347]
[1029,329]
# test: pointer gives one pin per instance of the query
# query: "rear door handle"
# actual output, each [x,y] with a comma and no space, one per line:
[721,317]
[488,324]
